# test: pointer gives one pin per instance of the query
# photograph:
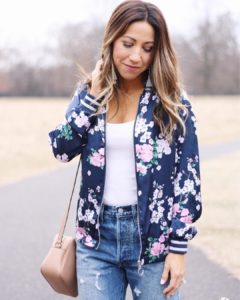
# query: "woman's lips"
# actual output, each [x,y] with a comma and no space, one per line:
[131,68]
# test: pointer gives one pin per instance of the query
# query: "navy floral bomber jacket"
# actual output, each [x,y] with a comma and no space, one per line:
[167,175]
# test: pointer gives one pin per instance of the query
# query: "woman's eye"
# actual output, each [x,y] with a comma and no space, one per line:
[148,49]
[127,45]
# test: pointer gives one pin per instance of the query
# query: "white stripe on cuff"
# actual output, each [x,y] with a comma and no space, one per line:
[178,242]
[178,249]
[88,106]
[92,100]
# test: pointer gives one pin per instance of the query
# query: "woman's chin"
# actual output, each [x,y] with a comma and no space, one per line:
[128,77]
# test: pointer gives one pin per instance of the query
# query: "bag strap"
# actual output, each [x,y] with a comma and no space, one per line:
[58,243]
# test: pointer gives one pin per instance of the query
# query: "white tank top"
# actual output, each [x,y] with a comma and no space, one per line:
[120,181]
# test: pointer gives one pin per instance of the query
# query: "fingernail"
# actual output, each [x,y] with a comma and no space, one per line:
[162,281]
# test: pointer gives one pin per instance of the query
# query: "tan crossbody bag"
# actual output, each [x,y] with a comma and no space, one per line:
[59,266]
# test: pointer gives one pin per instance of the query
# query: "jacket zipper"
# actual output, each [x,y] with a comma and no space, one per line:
[99,238]
[138,213]
[140,269]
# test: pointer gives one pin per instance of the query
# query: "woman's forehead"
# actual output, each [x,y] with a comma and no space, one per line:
[140,30]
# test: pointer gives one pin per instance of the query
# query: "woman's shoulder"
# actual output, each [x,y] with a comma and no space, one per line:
[81,88]
[185,99]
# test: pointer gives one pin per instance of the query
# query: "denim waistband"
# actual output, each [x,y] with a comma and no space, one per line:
[118,211]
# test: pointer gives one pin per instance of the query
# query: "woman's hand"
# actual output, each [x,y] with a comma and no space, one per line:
[95,86]
[175,267]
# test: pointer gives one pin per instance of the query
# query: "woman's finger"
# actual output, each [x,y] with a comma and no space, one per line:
[171,288]
[165,274]
[174,284]
[98,66]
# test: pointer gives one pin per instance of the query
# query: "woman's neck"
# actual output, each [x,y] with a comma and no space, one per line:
[131,86]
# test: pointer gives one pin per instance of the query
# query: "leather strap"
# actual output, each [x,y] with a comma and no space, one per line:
[65,218]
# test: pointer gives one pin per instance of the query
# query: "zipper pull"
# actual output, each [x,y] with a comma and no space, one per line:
[140,268]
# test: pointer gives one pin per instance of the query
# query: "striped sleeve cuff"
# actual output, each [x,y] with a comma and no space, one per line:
[90,102]
[178,247]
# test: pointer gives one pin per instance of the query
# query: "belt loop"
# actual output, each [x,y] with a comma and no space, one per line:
[101,212]
[134,210]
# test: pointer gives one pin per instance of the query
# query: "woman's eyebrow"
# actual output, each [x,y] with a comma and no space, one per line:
[148,42]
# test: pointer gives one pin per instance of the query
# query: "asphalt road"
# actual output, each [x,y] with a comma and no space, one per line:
[30,214]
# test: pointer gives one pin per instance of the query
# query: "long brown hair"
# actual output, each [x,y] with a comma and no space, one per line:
[163,70]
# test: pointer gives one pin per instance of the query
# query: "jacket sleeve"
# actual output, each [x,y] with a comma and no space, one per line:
[187,206]
[69,138]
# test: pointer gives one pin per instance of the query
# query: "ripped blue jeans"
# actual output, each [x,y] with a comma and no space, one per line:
[104,273]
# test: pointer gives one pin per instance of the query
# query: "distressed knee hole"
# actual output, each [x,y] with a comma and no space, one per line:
[81,281]
[137,291]
[97,285]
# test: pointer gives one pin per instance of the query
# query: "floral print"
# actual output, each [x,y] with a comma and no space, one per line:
[97,158]
[81,234]
[65,132]
[162,147]
[64,157]
[144,152]
[167,175]
[156,203]
[85,214]
[79,119]
[156,248]
[97,127]
[145,155]
[141,129]
[149,155]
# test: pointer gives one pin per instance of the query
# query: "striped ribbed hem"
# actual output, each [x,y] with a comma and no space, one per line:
[177,246]
[90,102]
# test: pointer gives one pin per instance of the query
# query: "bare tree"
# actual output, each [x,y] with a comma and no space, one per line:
[76,44]
[228,56]
[210,60]
[80,44]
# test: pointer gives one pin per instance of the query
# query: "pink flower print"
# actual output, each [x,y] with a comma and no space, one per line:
[147,153]
[187,219]
[81,119]
[144,152]
[138,149]
[80,233]
[184,212]
[157,248]
[89,241]
[101,151]
[142,169]
[97,158]
[176,208]
[161,239]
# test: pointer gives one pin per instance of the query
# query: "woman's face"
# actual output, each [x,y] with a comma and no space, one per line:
[133,51]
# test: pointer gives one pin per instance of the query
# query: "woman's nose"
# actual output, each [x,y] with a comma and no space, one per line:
[135,56]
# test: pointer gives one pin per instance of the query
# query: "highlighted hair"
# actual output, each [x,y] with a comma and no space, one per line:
[163,70]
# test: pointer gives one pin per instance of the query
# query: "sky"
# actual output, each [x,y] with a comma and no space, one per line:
[31,23]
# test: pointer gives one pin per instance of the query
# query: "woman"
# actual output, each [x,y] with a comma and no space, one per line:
[140,185]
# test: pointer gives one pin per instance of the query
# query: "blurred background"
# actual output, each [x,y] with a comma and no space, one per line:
[42,44]
[43,41]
